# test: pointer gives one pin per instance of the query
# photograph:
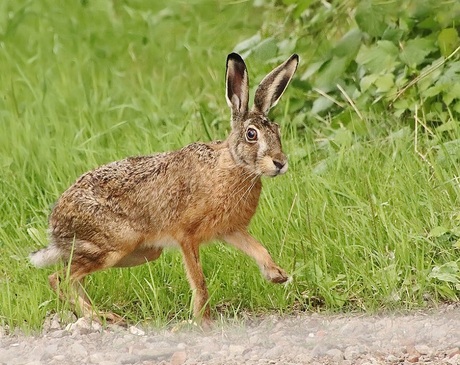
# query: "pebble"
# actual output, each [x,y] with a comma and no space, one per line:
[78,350]
[136,331]
[236,349]
[423,349]
[429,338]
[83,326]
[178,358]
[335,354]
[155,353]
[455,360]
[351,352]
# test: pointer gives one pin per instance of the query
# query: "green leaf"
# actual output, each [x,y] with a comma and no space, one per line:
[451,74]
[312,69]
[432,91]
[416,50]
[385,83]
[452,93]
[383,56]
[265,50]
[448,40]
[448,272]
[393,34]
[321,104]
[343,137]
[448,152]
[401,105]
[349,45]
[367,81]
[330,73]
[301,7]
[370,18]
[438,231]
[245,46]
[432,77]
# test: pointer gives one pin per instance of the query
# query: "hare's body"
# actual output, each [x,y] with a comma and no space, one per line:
[149,202]
[124,213]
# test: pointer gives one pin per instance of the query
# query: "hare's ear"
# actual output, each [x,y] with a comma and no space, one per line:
[237,85]
[273,85]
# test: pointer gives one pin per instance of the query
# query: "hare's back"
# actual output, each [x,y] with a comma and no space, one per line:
[118,177]
[141,191]
[108,193]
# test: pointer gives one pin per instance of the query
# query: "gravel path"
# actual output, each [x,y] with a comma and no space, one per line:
[431,337]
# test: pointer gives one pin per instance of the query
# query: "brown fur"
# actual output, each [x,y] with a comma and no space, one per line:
[124,213]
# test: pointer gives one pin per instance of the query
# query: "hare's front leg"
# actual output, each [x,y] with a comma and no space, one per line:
[253,248]
[191,255]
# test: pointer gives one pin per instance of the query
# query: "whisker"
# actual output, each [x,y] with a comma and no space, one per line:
[254,178]
[241,184]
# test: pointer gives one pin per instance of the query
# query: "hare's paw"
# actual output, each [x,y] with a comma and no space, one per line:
[275,274]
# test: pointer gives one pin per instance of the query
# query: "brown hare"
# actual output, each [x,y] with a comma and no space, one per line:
[124,213]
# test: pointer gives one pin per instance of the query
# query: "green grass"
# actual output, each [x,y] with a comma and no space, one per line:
[361,220]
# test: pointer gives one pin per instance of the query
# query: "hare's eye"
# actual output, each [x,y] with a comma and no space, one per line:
[251,135]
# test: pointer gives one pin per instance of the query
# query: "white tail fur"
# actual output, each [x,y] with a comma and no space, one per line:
[45,257]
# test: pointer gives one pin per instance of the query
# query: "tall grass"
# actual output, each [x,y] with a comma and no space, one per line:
[361,220]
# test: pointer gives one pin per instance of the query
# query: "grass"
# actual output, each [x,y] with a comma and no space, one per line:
[361,220]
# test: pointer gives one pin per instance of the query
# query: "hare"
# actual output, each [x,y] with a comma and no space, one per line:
[125,213]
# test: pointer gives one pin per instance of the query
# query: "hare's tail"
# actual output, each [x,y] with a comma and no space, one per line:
[46,256]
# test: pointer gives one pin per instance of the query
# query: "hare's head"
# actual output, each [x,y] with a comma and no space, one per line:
[255,140]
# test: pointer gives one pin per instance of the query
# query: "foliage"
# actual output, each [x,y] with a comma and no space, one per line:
[383,56]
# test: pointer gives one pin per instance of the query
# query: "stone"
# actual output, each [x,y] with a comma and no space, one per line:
[84,326]
[454,360]
[205,356]
[77,349]
[126,358]
[274,352]
[154,353]
[181,346]
[58,334]
[392,358]
[413,358]
[97,357]
[50,351]
[423,349]
[136,331]
[178,358]
[236,349]
[319,350]
[303,358]
[351,352]
[335,354]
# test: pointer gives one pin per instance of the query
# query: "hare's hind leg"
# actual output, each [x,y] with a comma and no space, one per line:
[201,311]
[86,258]
[75,295]
[253,248]
[81,301]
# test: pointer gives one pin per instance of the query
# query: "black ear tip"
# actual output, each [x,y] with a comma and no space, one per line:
[295,56]
[234,57]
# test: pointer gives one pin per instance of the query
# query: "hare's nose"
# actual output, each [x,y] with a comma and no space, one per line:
[278,164]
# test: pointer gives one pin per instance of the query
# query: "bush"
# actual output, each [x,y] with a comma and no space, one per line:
[400,57]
